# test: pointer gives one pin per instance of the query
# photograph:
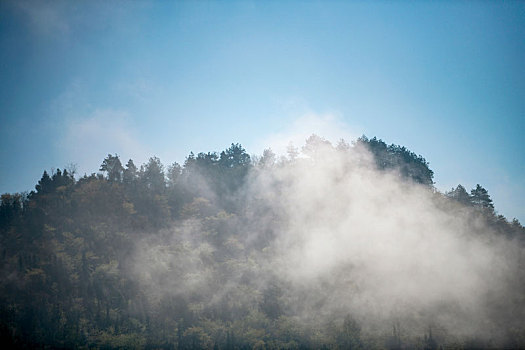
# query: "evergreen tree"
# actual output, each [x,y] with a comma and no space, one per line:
[234,157]
[113,167]
[69,258]
[460,194]
[152,175]
[480,197]
[292,152]
[268,159]
[315,145]
[45,184]
[130,173]
[174,174]
[409,164]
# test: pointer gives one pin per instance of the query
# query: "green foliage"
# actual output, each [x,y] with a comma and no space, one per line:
[129,175]
[460,195]
[113,168]
[151,176]
[44,184]
[409,164]
[67,269]
[234,157]
[480,197]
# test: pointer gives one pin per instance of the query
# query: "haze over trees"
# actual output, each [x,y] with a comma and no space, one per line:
[337,247]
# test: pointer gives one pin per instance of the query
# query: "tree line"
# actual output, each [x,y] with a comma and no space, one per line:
[66,249]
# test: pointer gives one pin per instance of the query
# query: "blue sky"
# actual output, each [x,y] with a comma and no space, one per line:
[81,79]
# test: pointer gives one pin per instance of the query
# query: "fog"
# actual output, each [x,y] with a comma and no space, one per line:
[326,235]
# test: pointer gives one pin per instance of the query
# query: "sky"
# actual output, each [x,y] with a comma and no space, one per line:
[81,79]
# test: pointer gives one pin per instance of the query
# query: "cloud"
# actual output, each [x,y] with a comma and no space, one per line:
[340,237]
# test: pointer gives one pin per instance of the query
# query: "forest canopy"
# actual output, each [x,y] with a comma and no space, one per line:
[343,246]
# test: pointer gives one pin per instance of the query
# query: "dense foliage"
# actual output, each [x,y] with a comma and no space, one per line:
[68,275]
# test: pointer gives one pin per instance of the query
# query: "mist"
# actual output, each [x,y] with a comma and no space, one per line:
[334,246]
[325,236]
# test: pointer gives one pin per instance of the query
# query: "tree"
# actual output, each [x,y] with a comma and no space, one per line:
[175,191]
[206,163]
[480,197]
[409,164]
[460,194]
[315,146]
[292,152]
[62,178]
[235,156]
[11,206]
[130,173]
[199,173]
[234,164]
[196,338]
[190,161]
[113,167]
[268,159]
[99,264]
[379,150]
[152,175]
[343,146]
[174,173]
[45,184]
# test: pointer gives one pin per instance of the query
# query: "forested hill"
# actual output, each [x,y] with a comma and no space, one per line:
[191,256]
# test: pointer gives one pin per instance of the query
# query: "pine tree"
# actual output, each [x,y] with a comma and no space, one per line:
[480,197]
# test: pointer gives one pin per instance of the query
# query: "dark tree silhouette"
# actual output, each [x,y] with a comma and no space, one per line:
[68,278]
[113,168]
[410,165]
[460,194]
[480,197]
